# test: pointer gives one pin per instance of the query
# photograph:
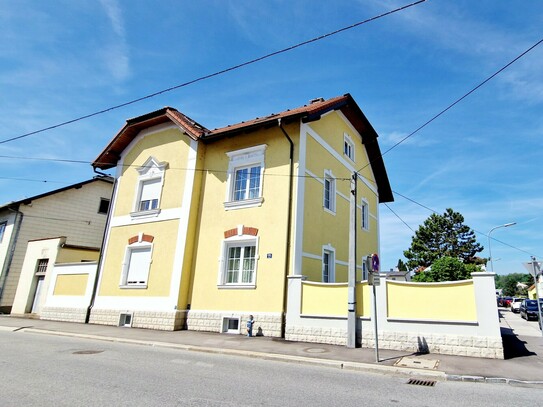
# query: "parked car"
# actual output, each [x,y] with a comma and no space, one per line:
[515,305]
[528,309]
[504,301]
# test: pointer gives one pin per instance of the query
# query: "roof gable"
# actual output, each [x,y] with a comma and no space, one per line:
[110,155]
[313,111]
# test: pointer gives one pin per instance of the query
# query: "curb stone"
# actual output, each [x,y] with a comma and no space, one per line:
[494,380]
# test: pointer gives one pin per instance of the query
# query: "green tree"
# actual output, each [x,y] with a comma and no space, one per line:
[508,283]
[442,236]
[447,269]
[401,265]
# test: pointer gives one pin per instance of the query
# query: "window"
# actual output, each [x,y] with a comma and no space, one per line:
[41,267]
[365,215]
[104,206]
[348,147]
[247,183]
[2,230]
[238,265]
[328,265]
[230,325]
[364,269]
[240,268]
[245,172]
[149,188]
[150,192]
[125,319]
[136,266]
[329,198]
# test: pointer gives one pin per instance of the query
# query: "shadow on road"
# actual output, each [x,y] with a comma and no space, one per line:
[513,347]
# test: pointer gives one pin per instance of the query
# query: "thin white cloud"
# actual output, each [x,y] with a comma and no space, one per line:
[115,53]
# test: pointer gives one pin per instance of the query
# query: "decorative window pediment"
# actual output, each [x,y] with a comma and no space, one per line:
[149,188]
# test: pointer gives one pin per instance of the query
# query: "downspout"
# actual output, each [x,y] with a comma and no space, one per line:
[13,244]
[289,227]
[102,247]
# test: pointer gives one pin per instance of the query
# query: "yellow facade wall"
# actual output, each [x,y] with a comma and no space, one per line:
[335,227]
[324,299]
[363,300]
[169,146]
[162,258]
[268,294]
[74,255]
[454,301]
[331,299]
[71,284]
[165,145]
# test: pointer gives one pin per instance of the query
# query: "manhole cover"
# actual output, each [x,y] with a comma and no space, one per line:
[87,352]
[417,363]
[315,350]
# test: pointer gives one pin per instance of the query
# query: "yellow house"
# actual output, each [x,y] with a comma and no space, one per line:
[206,225]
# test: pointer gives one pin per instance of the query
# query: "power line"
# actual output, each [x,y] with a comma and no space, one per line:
[459,100]
[217,73]
[398,216]
[476,231]
[33,180]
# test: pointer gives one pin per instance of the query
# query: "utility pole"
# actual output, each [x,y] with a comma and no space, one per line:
[351,296]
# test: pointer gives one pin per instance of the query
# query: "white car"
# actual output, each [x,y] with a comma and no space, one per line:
[515,305]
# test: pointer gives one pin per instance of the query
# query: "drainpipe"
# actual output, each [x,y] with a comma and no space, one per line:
[289,227]
[102,247]
[13,244]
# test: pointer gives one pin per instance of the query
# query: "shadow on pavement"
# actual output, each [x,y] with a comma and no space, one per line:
[513,347]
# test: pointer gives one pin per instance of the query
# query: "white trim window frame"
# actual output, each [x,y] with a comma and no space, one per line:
[238,262]
[245,178]
[3,226]
[149,188]
[365,214]
[328,264]
[136,265]
[364,269]
[348,147]
[329,192]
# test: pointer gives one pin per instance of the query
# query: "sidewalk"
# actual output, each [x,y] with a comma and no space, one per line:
[523,364]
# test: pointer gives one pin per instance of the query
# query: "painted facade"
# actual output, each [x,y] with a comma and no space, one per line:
[77,212]
[206,225]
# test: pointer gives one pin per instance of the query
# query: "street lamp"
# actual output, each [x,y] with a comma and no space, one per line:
[488,234]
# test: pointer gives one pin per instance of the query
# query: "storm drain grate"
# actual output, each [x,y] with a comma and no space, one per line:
[418,382]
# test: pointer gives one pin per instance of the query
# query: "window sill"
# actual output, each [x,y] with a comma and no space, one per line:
[246,203]
[236,286]
[145,214]
[135,286]
[330,211]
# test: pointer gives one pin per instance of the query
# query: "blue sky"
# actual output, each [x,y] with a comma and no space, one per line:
[60,60]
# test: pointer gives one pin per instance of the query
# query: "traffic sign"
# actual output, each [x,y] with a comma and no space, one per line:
[374,262]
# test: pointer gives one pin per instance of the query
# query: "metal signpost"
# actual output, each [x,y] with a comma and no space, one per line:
[373,280]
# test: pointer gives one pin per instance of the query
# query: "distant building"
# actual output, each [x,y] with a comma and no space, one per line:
[77,213]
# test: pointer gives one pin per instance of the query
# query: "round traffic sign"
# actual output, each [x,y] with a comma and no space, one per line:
[375,262]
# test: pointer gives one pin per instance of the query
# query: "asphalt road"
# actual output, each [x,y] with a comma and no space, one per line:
[44,370]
